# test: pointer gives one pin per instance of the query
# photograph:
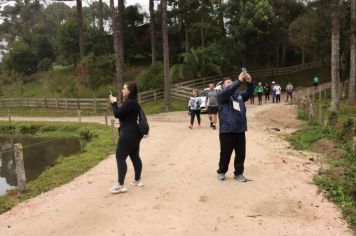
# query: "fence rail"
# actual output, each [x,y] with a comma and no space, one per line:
[181,91]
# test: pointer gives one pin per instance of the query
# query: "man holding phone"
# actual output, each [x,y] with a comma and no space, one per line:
[233,125]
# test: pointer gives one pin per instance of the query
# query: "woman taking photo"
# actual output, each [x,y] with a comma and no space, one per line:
[129,136]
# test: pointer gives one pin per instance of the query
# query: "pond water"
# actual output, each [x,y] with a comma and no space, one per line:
[39,154]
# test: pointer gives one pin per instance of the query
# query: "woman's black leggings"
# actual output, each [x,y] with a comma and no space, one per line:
[128,146]
[194,113]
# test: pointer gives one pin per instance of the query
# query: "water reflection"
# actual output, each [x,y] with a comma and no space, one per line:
[39,154]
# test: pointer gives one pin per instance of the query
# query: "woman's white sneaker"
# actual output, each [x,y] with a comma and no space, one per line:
[117,188]
[137,183]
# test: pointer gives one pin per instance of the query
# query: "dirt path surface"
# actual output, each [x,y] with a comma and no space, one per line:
[182,195]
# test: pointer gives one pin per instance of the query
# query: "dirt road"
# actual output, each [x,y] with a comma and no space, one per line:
[182,195]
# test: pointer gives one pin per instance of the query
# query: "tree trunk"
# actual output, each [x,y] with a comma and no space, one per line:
[167,79]
[101,16]
[81,28]
[352,84]
[186,36]
[221,18]
[121,6]
[118,62]
[335,55]
[153,32]
[202,25]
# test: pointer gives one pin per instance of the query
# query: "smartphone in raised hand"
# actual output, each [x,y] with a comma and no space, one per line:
[244,71]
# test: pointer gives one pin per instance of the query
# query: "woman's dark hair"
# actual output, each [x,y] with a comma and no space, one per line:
[132,87]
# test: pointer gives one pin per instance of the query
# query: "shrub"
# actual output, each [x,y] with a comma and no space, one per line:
[151,78]
[44,65]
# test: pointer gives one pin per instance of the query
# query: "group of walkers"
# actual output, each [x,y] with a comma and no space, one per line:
[275,91]
[230,105]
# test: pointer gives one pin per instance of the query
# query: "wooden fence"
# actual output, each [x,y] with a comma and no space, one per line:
[180,91]
[204,82]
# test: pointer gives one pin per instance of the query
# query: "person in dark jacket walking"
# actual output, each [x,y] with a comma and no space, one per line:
[129,136]
[233,125]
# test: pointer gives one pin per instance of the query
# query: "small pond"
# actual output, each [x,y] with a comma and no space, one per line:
[39,154]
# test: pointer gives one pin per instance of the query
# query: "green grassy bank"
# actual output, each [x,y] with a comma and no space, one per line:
[66,168]
[338,176]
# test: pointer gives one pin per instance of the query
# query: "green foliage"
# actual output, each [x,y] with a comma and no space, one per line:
[196,64]
[96,70]
[305,138]
[64,86]
[67,42]
[65,169]
[44,65]
[151,78]
[301,115]
[21,59]
[338,180]
[98,42]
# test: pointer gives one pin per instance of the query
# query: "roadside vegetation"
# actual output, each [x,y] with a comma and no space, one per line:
[337,178]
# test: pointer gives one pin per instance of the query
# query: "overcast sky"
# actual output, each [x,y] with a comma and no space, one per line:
[143,3]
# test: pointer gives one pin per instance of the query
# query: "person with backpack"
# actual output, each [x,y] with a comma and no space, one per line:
[267,91]
[130,135]
[289,90]
[194,108]
[233,125]
[212,104]
[259,92]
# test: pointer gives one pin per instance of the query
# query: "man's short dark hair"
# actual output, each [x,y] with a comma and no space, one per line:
[226,78]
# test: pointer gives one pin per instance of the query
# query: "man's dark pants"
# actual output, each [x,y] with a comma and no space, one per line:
[228,143]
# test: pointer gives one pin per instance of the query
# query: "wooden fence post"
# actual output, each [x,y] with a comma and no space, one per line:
[95,105]
[320,113]
[45,102]
[78,104]
[20,168]
[66,103]
[155,94]
[113,131]
[106,120]
[57,103]
[9,115]
[79,116]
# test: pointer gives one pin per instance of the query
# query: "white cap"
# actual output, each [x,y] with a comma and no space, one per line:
[273,82]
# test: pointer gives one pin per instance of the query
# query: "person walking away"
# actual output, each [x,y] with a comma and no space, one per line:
[129,136]
[267,91]
[252,95]
[213,105]
[316,82]
[194,108]
[289,90]
[278,90]
[273,92]
[233,125]
[259,92]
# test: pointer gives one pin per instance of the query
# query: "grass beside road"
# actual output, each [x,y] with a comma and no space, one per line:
[66,168]
[338,178]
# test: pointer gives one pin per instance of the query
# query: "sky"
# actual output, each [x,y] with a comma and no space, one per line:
[143,3]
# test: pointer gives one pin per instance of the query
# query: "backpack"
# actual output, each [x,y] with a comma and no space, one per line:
[142,123]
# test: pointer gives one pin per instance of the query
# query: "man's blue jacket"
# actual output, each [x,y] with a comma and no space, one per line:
[233,117]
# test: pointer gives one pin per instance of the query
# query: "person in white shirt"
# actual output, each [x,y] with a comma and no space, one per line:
[278,90]
[194,108]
